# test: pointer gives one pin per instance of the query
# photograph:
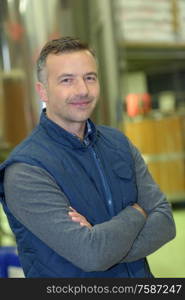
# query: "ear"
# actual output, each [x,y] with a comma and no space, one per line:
[41,90]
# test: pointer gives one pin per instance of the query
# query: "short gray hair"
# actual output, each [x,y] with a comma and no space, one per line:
[61,45]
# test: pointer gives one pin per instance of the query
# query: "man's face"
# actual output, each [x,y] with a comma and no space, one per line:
[72,87]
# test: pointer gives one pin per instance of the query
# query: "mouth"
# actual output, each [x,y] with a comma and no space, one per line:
[81,103]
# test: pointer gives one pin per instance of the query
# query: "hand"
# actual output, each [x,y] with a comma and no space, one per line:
[140,209]
[76,217]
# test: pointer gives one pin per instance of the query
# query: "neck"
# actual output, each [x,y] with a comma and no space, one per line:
[76,128]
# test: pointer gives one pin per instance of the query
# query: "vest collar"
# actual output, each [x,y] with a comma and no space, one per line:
[61,136]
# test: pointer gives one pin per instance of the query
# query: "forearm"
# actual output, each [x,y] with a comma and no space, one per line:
[105,244]
[159,227]
[158,230]
[150,237]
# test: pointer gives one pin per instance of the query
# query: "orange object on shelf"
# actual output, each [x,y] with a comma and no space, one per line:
[138,104]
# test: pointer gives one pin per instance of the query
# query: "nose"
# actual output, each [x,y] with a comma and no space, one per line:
[81,87]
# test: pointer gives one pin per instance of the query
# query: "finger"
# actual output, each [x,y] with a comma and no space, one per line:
[86,225]
[77,219]
[74,214]
[82,224]
[72,209]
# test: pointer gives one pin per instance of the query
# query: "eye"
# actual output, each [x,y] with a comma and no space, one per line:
[66,80]
[91,78]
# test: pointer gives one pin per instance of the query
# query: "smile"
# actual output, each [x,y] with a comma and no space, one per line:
[81,103]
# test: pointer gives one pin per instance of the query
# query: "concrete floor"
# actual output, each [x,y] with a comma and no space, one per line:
[169,260]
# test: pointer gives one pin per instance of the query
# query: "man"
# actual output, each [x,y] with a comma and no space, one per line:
[79,197]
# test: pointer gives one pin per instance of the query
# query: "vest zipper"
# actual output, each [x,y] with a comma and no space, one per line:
[108,195]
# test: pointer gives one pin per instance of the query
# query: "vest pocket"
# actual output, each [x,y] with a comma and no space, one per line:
[123,170]
[125,182]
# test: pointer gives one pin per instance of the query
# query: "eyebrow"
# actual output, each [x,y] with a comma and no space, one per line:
[73,75]
[65,75]
[92,73]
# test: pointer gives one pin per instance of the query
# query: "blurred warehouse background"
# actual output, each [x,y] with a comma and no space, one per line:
[141,49]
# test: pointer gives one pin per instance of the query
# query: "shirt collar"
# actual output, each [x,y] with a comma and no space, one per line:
[65,137]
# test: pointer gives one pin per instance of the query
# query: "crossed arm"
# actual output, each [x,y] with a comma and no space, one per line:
[134,233]
[159,227]
[76,217]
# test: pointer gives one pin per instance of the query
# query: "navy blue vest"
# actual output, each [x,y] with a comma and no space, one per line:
[69,161]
